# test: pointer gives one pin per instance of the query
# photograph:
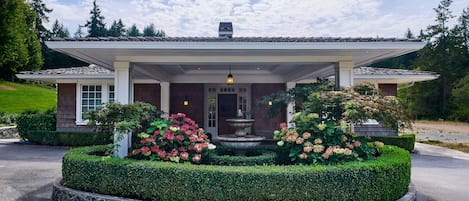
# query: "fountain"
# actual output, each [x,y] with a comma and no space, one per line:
[240,141]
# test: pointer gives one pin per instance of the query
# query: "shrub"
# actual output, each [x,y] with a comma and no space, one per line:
[68,138]
[221,156]
[314,140]
[7,118]
[176,138]
[406,141]
[35,121]
[386,178]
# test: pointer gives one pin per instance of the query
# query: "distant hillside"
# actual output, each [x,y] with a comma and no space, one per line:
[15,98]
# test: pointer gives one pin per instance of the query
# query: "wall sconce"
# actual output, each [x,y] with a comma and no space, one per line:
[269,103]
[229,78]
[186,101]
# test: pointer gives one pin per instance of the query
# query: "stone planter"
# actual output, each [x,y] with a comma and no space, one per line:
[8,132]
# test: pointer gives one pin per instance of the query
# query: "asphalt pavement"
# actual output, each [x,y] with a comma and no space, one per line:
[28,171]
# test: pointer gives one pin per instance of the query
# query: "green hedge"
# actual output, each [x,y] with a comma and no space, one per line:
[68,138]
[255,157]
[34,120]
[406,141]
[386,178]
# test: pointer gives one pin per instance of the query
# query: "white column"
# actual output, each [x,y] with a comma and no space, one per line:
[122,86]
[345,73]
[291,106]
[164,96]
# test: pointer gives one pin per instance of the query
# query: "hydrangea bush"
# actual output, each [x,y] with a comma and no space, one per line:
[176,138]
[315,140]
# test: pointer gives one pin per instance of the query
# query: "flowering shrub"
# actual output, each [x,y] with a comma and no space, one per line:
[176,138]
[315,140]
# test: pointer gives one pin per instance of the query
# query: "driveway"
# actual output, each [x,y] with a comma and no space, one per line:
[440,174]
[27,171]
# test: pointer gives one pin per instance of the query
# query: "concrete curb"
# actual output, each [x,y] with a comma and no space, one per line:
[62,193]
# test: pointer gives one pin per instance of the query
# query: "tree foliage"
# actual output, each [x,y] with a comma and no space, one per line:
[58,30]
[41,11]
[150,30]
[19,44]
[96,26]
[133,31]
[117,29]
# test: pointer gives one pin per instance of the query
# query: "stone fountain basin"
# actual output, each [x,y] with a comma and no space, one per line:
[240,123]
[236,142]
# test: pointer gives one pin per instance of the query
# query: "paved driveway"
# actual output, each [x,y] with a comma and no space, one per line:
[27,171]
[440,174]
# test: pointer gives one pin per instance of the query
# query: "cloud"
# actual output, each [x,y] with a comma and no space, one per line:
[295,18]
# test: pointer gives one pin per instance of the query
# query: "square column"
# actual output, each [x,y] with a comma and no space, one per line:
[122,85]
[290,106]
[164,96]
[344,74]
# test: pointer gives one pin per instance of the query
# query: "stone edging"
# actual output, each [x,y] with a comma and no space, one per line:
[62,193]
[8,132]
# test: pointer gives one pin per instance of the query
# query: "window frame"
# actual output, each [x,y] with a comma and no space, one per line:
[79,121]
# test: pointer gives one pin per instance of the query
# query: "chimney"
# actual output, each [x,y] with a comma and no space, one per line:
[225,30]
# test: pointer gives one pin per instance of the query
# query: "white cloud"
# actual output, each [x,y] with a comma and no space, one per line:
[366,18]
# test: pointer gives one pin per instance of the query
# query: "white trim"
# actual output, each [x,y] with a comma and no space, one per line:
[79,121]
[145,81]
[58,76]
[175,45]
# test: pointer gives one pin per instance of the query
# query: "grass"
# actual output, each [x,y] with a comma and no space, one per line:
[16,98]
[464,147]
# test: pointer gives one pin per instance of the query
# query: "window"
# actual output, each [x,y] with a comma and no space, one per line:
[91,97]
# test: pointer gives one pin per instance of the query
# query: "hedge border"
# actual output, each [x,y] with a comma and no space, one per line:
[386,178]
[405,141]
[64,138]
[265,158]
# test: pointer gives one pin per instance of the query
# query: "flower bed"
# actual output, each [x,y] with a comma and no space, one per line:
[384,178]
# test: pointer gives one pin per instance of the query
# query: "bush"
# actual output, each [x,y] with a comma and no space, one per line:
[35,121]
[221,156]
[406,141]
[7,119]
[68,138]
[386,178]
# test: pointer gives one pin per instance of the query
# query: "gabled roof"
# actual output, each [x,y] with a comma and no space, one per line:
[388,71]
[240,39]
[91,71]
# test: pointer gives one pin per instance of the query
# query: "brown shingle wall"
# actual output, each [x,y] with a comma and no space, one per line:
[264,124]
[148,93]
[388,89]
[66,106]
[195,94]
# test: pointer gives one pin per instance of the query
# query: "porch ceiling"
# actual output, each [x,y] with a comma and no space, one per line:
[208,62]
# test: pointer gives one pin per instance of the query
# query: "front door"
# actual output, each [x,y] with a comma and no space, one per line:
[226,110]
[225,100]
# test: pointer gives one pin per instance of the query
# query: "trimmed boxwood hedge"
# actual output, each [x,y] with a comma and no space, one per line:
[68,138]
[386,178]
[255,157]
[406,141]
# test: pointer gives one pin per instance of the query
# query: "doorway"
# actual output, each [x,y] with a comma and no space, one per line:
[226,110]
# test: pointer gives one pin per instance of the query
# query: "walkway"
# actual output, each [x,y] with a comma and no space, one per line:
[440,174]
[27,171]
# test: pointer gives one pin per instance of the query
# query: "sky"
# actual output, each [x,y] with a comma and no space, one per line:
[261,18]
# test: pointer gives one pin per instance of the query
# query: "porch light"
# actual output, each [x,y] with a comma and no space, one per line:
[186,101]
[229,79]
[269,103]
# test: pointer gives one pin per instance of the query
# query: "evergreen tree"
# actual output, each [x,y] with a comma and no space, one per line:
[133,31]
[19,45]
[151,31]
[117,29]
[409,34]
[96,26]
[58,30]
[41,16]
[79,33]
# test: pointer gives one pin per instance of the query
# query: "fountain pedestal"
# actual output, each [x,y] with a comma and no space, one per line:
[240,141]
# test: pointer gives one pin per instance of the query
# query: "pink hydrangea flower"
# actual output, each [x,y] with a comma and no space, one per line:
[155,148]
[303,156]
[299,140]
[307,149]
[196,158]
[184,155]
[180,137]
[306,135]
[161,153]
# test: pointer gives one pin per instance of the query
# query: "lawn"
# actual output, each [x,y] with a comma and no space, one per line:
[15,97]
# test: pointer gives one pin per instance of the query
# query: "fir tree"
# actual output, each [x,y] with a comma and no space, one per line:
[117,29]
[96,26]
[58,30]
[133,31]
[41,17]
